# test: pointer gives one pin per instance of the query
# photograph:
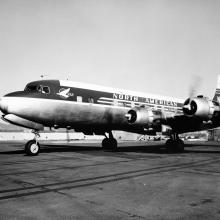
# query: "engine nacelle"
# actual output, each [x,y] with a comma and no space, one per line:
[143,116]
[200,107]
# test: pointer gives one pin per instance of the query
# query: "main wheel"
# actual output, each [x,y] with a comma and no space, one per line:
[32,148]
[109,144]
[105,143]
[114,144]
[175,145]
[179,145]
[170,144]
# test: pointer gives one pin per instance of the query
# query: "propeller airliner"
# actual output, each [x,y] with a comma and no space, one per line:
[94,109]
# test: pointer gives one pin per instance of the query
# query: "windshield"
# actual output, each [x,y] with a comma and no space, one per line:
[37,88]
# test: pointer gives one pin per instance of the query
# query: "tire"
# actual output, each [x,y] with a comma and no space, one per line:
[109,144]
[114,144]
[175,145]
[170,143]
[105,143]
[179,145]
[32,148]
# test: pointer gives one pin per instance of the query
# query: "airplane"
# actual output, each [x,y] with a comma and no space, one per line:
[99,110]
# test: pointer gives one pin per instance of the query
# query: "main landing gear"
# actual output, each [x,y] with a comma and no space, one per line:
[32,147]
[109,143]
[175,144]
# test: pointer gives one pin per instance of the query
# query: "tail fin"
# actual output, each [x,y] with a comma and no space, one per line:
[217,91]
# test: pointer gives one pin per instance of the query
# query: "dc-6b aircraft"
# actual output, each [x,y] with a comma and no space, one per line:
[93,109]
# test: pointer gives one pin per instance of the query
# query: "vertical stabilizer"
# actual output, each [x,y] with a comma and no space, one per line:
[217,91]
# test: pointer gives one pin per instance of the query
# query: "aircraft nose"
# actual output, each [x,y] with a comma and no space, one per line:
[3,105]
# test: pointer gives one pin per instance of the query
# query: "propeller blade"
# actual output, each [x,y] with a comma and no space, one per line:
[196,82]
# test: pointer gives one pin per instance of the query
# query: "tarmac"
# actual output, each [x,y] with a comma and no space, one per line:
[79,180]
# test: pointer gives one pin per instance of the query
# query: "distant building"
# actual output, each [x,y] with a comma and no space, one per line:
[214,134]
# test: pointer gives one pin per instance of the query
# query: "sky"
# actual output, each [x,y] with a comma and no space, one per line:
[152,46]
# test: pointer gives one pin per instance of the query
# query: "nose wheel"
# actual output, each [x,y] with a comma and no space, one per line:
[32,147]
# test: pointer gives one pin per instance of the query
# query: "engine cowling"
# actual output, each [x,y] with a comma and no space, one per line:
[143,116]
[200,107]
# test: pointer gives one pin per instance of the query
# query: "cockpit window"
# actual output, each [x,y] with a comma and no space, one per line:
[38,88]
[31,88]
[46,89]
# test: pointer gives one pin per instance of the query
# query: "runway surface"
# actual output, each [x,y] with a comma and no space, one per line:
[81,181]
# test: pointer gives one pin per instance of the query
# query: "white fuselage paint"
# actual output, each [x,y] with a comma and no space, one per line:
[61,112]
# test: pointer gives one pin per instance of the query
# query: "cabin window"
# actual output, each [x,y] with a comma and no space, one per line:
[91,100]
[79,98]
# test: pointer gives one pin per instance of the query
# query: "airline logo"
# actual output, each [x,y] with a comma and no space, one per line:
[65,93]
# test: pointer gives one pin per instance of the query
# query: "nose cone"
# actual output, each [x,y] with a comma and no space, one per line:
[3,105]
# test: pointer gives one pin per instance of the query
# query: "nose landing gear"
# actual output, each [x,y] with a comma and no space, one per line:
[32,147]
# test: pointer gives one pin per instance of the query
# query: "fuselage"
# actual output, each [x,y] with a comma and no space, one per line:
[84,107]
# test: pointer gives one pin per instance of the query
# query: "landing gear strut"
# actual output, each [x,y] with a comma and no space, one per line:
[32,147]
[109,143]
[175,144]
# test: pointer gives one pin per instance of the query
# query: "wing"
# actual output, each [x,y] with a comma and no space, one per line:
[199,113]
[182,124]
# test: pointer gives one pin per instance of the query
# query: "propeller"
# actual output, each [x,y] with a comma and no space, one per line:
[189,106]
[196,82]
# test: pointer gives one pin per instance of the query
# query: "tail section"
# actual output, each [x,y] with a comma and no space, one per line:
[217,91]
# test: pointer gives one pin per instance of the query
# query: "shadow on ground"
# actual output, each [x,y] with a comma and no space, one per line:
[156,148]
